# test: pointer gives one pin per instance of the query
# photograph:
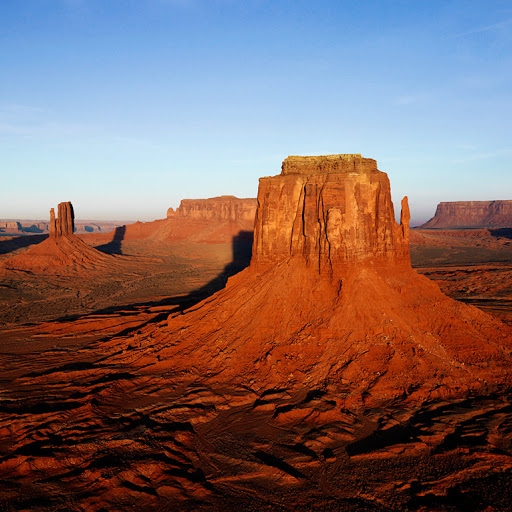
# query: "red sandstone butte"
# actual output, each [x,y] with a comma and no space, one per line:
[330,298]
[471,214]
[61,249]
[64,224]
[330,211]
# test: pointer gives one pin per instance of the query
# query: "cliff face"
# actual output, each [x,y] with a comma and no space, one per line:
[64,223]
[330,298]
[216,208]
[330,211]
[471,214]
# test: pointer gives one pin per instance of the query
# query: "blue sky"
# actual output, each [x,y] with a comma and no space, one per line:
[125,107]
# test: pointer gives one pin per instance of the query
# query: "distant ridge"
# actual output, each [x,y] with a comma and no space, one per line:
[471,214]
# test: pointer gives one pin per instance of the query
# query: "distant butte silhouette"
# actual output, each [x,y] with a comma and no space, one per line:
[330,298]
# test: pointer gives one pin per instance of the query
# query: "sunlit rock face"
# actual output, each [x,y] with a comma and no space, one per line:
[471,214]
[221,208]
[330,297]
[61,252]
[331,211]
[64,224]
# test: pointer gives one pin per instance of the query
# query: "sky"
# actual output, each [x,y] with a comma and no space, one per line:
[125,107]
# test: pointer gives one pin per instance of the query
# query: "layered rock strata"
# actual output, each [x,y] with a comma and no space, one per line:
[471,214]
[330,299]
[330,211]
[216,208]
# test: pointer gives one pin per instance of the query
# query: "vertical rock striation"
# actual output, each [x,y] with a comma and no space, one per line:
[330,298]
[331,211]
[64,224]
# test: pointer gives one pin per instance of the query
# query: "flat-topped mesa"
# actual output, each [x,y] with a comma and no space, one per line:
[64,224]
[331,211]
[471,214]
[216,208]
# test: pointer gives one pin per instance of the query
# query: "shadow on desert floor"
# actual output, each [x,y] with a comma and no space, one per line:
[20,242]
[502,233]
[115,245]
[241,258]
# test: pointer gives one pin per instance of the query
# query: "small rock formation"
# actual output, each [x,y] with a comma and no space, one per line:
[330,298]
[216,208]
[471,214]
[53,224]
[64,224]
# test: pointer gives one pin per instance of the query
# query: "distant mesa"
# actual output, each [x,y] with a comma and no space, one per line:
[471,214]
[216,208]
[330,299]
[11,227]
[217,220]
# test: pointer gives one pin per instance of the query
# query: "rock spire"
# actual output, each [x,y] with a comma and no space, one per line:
[64,224]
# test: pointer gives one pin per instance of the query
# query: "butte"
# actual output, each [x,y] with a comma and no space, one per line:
[61,251]
[330,299]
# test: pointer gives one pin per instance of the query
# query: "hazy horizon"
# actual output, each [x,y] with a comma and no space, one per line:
[126,108]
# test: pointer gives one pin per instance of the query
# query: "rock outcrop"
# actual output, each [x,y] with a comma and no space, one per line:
[61,250]
[331,211]
[218,220]
[216,208]
[471,214]
[11,226]
[64,224]
[330,298]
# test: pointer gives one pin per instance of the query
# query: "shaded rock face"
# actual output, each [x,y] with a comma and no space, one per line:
[216,208]
[331,211]
[471,214]
[64,224]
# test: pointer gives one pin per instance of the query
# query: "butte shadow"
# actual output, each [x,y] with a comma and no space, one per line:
[330,299]
[20,242]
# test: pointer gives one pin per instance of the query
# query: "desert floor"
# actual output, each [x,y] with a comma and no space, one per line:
[81,431]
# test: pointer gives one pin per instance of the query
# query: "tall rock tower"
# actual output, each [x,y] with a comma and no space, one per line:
[64,224]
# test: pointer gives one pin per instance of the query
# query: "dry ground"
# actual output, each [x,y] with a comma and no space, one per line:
[80,432]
